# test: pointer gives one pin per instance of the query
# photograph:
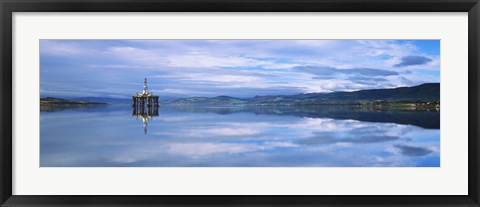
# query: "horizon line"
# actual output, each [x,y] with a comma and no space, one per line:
[49,96]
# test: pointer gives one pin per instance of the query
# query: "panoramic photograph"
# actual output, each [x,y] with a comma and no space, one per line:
[239,103]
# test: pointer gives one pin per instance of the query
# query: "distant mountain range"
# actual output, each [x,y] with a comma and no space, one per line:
[61,101]
[428,92]
[105,100]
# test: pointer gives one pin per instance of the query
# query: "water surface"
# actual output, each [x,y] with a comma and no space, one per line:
[111,136]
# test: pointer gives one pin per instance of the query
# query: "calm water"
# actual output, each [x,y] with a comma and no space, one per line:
[110,136]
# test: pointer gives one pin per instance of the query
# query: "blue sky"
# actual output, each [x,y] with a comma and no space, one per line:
[239,68]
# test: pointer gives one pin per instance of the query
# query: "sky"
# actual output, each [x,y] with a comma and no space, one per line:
[238,68]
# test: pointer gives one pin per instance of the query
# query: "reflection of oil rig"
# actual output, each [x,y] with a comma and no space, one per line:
[145,106]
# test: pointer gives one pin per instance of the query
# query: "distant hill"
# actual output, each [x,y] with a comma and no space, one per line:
[105,100]
[61,101]
[428,92]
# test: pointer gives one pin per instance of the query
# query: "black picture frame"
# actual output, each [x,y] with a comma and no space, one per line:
[7,7]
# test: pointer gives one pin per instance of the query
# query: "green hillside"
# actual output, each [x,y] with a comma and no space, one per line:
[428,93]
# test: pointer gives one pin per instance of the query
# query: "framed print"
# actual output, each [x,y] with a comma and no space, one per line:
[239,109]
[199,103]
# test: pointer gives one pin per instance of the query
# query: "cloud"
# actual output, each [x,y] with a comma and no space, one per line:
[225,61]
[413,151]
[349,79]
[62,48]
[201,60]
[406,81]
[328,72]
[374,81]
[240,68]
[413,60]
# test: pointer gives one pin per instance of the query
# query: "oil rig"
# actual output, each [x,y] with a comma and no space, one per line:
[145,97]
[145,105]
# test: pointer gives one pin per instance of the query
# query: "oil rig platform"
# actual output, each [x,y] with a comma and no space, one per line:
[145,97]
[145,105]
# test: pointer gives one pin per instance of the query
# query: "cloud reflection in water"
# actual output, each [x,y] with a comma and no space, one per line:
[110,137]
